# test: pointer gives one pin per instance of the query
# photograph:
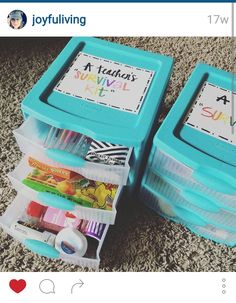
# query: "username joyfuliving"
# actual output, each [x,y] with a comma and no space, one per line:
[58,19]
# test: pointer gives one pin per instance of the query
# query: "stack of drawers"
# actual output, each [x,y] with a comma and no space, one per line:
[191,172]
[107,94]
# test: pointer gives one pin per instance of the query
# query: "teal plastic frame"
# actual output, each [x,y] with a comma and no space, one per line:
[208,167]
[103,123]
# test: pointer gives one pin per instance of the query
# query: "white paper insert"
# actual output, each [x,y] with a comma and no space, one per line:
[106,82]
[212,113]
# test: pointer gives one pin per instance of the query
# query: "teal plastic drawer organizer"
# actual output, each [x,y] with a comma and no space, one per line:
[87,121]
[191,167]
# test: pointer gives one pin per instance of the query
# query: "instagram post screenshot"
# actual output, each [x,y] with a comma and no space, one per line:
[118,157]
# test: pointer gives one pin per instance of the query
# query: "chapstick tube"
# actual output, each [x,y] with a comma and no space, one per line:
[30,232]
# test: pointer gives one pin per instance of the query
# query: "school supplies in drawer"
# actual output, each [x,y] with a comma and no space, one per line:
[205,208]
[66,189]
[180,215]
[87,148]
[198,130]
[79,244]
[98,161]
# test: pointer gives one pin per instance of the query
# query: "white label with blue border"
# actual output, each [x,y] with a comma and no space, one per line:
[211,113]
[109,83]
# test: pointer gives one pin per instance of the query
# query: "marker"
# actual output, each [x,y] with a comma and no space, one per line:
[55,138]
[73,142]
[69,136]
[67,139]
[51,138]
[61,139]
[48,137]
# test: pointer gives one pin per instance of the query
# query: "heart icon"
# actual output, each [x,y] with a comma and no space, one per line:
[17,285]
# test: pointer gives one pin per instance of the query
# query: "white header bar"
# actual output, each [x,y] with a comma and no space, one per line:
[120,19]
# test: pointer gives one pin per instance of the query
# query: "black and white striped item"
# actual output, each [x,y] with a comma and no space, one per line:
[107,153]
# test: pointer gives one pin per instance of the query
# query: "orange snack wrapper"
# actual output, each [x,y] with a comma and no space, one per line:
[56,171]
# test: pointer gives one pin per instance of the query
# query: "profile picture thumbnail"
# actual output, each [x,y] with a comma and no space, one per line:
[17,19]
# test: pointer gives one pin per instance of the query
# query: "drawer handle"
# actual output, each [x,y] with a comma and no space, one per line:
[65,157]
[212,181]
[199,200]
[56,201]
[42,248]
[188,216]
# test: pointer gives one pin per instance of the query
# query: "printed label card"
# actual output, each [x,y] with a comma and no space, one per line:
[213,113]
[106,82]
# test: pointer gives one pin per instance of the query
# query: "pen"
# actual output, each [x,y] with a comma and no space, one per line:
[70,144]
[61,139]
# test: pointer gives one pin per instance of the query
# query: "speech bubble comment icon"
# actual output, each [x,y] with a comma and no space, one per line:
[47,287]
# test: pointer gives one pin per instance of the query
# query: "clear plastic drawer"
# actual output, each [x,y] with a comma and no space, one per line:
[180,174]
[206,210]
[16,222]
[32,137]
[180,215]
[91,199]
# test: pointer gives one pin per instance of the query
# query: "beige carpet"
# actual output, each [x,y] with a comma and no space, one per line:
[140,240]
